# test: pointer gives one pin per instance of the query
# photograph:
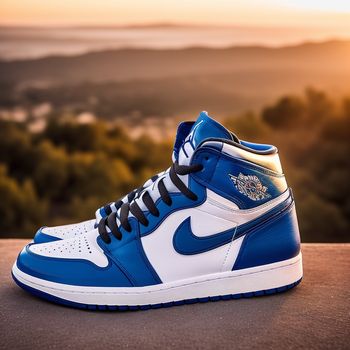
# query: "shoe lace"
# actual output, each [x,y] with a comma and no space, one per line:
[129,197]
[110,222]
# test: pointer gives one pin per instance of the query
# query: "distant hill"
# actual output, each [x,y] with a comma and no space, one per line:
[167,82]
[127,64]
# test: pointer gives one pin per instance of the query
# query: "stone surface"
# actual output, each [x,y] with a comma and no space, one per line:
[314,315]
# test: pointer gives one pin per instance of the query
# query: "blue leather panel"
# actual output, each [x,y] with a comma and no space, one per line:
[183,130]
[257,146]
[219,167]
[206,128]
[41,237]
[71,271]
[103,212]
[128,265]
[275,241]
[129,255]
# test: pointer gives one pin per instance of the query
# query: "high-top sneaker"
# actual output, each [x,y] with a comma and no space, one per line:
[219,224]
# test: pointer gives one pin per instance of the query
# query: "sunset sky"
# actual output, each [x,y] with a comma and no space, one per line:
[318,13]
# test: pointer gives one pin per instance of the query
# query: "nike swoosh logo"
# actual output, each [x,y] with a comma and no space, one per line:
[186,243]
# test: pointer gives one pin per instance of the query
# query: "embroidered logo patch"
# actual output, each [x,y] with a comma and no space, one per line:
[250,186]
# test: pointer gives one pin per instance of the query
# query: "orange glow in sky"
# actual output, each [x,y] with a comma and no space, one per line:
[332,13]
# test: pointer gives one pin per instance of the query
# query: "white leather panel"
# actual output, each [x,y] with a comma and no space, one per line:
[206,220]
[229,211]
[69,231]
[232,254]
[82,247]
[169,264]
[269,161]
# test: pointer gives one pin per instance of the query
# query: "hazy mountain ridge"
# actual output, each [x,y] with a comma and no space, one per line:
[129,64]
[167,83]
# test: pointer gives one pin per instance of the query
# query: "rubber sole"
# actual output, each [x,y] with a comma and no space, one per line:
[68,303]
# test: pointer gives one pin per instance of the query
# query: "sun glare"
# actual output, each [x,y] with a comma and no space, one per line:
[295,13]
[322,5]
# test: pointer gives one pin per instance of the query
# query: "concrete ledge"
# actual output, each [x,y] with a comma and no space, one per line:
[314,315]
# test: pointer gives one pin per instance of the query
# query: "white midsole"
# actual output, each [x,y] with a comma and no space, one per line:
[232,282]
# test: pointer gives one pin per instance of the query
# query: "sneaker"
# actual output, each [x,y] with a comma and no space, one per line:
[220,224]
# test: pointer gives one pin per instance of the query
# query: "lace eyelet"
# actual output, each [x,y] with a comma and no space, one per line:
[145,224]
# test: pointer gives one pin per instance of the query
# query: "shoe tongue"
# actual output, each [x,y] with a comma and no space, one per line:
[204,128]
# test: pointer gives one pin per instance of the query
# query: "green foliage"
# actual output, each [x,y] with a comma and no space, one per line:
[68,170]
[15,148]
[50,170]
[20,209]
[76,137]
[249,127]
[288,111]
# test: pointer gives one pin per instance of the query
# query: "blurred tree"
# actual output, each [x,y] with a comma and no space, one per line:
[74,136]
[15,148]
[20,209]
[287,112]
[51,171]
[250,125]
[320,221]
[319,107]
[90,174]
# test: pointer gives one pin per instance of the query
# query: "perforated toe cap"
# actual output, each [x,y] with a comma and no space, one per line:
[49,234]
[77,261]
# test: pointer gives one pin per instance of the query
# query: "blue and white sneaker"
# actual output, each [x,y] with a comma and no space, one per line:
[220,224]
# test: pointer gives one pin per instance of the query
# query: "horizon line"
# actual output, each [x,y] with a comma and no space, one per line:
[248,46]
[151,25]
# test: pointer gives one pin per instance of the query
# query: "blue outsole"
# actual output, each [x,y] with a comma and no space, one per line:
[64,302]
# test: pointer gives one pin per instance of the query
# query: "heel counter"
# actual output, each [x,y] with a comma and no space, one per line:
[277,240]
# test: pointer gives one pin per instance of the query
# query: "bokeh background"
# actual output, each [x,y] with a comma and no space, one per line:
[91,93]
